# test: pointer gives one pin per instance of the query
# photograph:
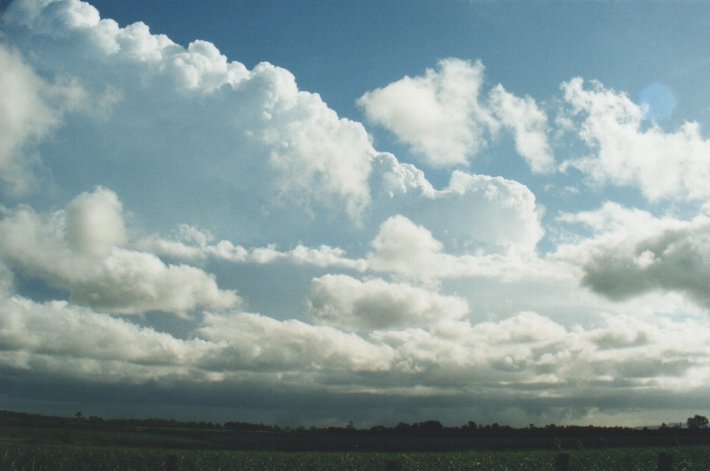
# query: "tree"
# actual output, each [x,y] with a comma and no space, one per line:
[697,422]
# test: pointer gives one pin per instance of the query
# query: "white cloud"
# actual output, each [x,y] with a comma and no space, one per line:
[25,116]
[446,293]
[257,342]
[80,249]
[472,214]
[255,126]
[528,125]
[404,247]
[348,303]
[631,151]
[194,244]
[444,119]
[438,114]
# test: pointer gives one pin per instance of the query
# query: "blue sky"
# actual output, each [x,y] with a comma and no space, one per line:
[317,212]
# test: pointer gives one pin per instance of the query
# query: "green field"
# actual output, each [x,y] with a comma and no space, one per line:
[36,443]
[73,457]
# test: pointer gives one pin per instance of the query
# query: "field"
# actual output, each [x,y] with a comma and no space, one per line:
[50,443]
[72,457]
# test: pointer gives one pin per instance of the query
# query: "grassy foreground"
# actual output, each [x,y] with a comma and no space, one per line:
[77,457]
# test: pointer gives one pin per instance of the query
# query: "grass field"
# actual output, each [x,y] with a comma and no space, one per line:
[76,457]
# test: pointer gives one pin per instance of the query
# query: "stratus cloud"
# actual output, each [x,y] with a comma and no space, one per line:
[256,126]
[628,150]
[80,249]
[348,303]
[632,252]
[442,117]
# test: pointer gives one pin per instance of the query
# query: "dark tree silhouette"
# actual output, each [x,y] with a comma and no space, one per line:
[697,422]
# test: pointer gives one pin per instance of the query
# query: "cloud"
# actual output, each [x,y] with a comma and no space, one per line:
[632,252]
[630,151]
[438,114]
[528,125]
[404,247]
[80,249]
[250,131]
[472,214]
[367,279]
[445,119]
[26,116]
[259,343]
[347,303]
[193,244]
[241,354]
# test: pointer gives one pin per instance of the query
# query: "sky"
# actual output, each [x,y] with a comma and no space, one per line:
[317,212]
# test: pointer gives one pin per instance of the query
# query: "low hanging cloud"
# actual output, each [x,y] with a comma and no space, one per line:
[444,118]
[256,342]
[633,252]
[631,151]
[348,303]
[80,249]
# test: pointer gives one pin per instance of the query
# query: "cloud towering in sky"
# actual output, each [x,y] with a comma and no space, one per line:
[184,229]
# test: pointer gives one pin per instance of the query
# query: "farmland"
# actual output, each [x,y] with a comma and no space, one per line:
[50,443]
[72,457]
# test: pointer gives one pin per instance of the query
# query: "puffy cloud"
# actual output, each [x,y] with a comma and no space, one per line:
[409,251]
[404,247]
[442,117]
[345,302]
[632,252]
[25,115]
[94,222]
[438,114]
[255,126]
[80,249]
[631,151]
[258,342]
[472,214]
[528,125]
[525,357]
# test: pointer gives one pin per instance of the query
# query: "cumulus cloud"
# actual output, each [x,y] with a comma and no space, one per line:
[255,126]
[632,252]
[446,293]
[438,114]
[629,150]
[257,342]
[25,115]
[348,303]
[528,125]
[515,358]
[445,119]
[80,249]
[472,214]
